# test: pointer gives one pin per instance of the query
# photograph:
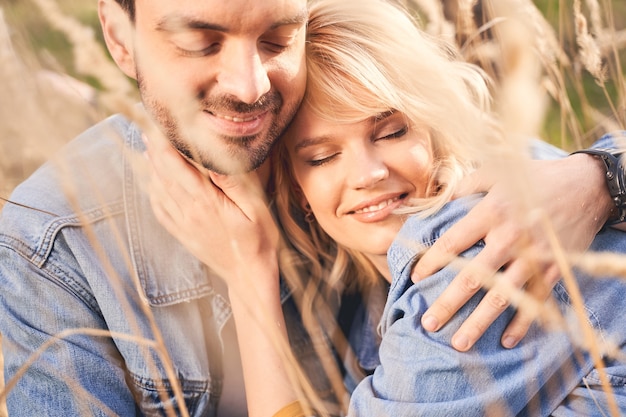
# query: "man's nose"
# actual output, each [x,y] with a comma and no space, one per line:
[243,74]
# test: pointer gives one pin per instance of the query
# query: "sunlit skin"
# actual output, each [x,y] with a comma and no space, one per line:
[222,82]
[354,176]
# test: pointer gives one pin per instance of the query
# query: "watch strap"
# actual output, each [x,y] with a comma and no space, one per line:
[615,177]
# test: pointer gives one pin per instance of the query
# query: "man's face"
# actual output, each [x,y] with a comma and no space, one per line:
[223,79]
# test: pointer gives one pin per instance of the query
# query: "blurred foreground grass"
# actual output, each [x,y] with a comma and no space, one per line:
[43,102]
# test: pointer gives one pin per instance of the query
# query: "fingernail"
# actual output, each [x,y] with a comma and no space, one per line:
[460,342]
[145,139]
[509,342]
[430,323]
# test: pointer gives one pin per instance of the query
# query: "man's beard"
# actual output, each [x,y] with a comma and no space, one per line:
[245,153]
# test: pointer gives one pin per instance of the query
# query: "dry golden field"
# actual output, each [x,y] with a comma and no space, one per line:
[559,71]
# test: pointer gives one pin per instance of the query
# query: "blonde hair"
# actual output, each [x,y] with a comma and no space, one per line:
[367,57]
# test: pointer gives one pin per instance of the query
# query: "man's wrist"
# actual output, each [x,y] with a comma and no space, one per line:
[615,179]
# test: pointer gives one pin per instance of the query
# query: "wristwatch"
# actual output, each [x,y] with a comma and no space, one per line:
[615,178]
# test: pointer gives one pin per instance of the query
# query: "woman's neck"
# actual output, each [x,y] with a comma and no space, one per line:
[380,262]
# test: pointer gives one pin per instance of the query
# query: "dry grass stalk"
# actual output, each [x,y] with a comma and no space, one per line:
[89,56]
[38,115]
[436,22]
[599,264]
[465,19]
[590,337]
[589,51]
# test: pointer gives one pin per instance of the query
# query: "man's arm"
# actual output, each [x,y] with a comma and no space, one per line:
[572,195]
[421,374]
[76,374]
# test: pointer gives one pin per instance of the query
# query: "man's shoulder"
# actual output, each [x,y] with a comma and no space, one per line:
[82,182]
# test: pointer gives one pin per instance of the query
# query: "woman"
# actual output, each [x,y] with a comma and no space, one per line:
[390,124]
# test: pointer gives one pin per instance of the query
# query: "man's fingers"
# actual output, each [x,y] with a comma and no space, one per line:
[538,289]
[476,274]
[506,288]
[500,291]
[467,282]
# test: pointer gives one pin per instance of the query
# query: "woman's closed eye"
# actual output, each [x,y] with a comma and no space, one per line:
[322,160]
[394,135]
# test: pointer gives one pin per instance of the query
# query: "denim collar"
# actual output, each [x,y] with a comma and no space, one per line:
[167,272]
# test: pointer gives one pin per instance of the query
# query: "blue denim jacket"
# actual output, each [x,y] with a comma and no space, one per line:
[546,374]
[87,255]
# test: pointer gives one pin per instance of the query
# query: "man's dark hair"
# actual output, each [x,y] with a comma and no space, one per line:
[128,6]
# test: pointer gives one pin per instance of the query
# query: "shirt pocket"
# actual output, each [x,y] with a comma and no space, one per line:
[157,397]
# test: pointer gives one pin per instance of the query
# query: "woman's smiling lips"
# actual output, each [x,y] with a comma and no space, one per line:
[239,124]
[377,209]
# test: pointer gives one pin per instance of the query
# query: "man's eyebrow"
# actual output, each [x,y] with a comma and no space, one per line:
[176,22]
[297,19]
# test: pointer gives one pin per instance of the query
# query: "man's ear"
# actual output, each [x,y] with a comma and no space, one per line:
[117,29]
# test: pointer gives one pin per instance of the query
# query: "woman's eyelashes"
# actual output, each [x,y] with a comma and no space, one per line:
[325,158]
[316,162]
[400,132]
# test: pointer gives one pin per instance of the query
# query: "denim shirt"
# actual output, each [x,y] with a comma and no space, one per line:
[101,298]
[548,373]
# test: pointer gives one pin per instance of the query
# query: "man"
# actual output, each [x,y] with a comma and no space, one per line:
[117,317]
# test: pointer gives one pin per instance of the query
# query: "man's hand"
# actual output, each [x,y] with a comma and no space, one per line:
[571,193]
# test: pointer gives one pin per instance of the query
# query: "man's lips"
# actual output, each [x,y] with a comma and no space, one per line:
[236,119]
[239,124]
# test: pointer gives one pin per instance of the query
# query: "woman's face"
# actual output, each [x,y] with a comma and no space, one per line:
[355,175]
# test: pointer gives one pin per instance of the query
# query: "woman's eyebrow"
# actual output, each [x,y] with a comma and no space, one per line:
[382,116]
[308,142]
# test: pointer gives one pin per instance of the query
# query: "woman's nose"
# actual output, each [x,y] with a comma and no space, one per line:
[367,170]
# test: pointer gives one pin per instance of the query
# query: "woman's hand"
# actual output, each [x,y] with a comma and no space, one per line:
[225,222]
[570,193]
[222,220]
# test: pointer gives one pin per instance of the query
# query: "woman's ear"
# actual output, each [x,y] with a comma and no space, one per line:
[300,198]
[117,29]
